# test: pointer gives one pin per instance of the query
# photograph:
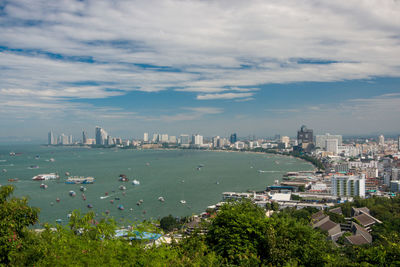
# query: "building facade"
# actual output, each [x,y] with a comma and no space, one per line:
[348,186]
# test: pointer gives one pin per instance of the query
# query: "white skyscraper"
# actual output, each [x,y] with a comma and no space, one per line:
[51,140]
[164,138]
[348,186]
[197,140]
[101,136]
[172,139]
[332,146]
[381,140]
[146,137]
[320,140]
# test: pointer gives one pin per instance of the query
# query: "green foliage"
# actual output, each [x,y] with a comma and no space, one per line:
[168,223]
[15,217]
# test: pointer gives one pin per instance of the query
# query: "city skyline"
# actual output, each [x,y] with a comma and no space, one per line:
[215,68]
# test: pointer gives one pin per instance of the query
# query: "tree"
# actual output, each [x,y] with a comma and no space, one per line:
[168,223]
[15,217]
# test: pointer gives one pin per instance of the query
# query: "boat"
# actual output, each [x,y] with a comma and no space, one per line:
[147,164]
[112,201]
[138,203]
[79,180]
[37,157]
[47,176]
[141,201]
[13,180]
[58,221]
[161,199]
[183,201]
[72,193]
[58,200]
[52,160]
[120,207]
[216,182]
[34,167]
[123,179]
[135,182]
[12,153]
[66,173]
[4,170]
[82,188]
[43,186]
[122,187]
[90,206]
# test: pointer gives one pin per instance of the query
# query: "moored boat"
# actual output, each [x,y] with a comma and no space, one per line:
[120,207]
[47,176]
[79,180]
[135,182]
[43,186]
[122,187]
[72,193]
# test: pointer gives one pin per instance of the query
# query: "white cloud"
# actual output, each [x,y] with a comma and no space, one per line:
[224,96]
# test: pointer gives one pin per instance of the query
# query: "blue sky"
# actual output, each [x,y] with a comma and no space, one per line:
[208,67]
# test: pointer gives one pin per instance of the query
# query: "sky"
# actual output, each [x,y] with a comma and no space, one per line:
[209,67]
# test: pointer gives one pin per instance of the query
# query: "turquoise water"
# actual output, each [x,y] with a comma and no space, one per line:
[172,174]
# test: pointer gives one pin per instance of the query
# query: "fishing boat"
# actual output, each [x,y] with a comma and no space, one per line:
[122,187]
[161,199]
[79,180]
[43,186]
[4,170]
[66,173]
[120,207]
[135,182]
[183,201]
[58,221]
[47,176]
[13,180]
[107,212]
[52,160]
[90,206]
[72,193]
[34,167]
[82,188]
[112,201]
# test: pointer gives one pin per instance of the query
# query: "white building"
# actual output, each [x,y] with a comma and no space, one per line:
[240,145]
[51,140]
[285,140]
[320,140]
[101,136]
[331,145]
[348,186]
[164,138]
[197,140]
[156,138]
[381,140]
[146,137]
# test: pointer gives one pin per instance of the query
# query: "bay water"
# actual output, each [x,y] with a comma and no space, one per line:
[198,177]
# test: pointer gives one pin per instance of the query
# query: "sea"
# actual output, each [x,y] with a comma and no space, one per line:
[195,176]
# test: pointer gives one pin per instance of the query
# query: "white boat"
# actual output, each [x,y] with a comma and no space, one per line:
[52,160]
[48,176]
[72,193]
[161,199]
[122,187]
[44,186]
[183,201]
[135,182]
[79,180]
[82,188]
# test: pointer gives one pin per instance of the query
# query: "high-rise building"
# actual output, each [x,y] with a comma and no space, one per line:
[348,186]
[156,138]
[63,139]
[320,140]
[233,138]
[70,140]
[84,138]
[164,138]
[285,140]
[398,143]
[172,139]
[101,136]
[146,137]
[381,140]
[50,138]
[332,146]
[215,141]
[184,139]
[305,135]
[197,140]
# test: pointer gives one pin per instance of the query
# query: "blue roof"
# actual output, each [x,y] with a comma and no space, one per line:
[136,235]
